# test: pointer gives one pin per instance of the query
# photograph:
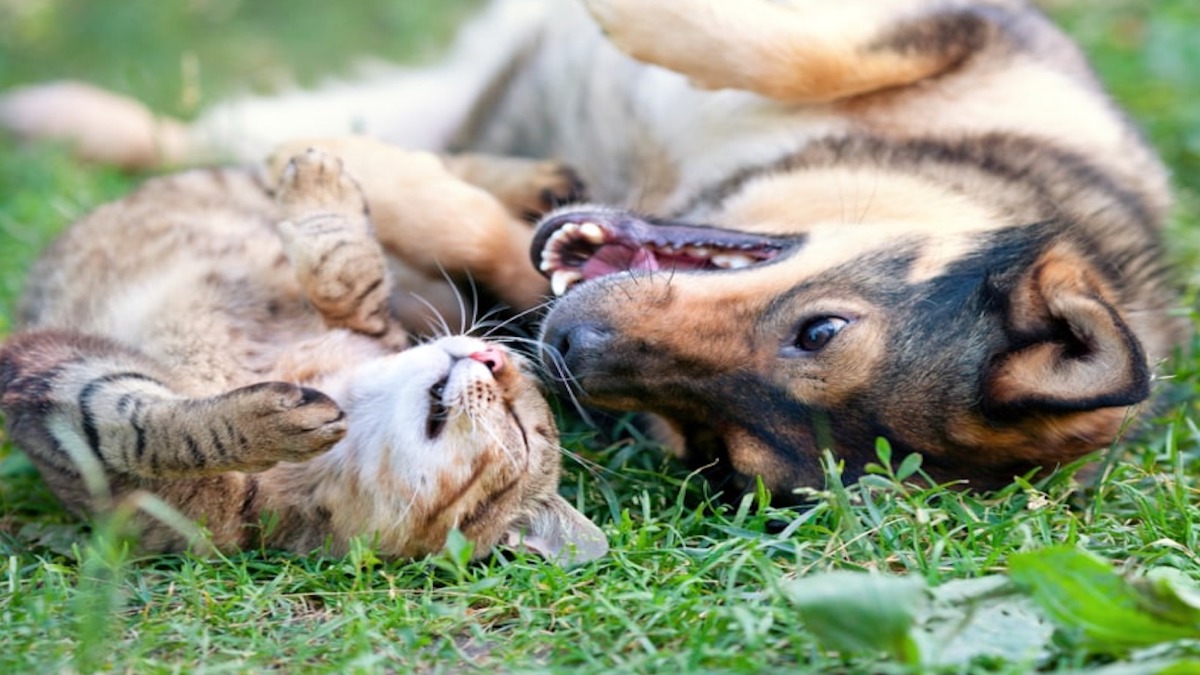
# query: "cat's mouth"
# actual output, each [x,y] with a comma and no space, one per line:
[464,389]
[577,246]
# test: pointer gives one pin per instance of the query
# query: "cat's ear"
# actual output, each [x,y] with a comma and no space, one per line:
[558,532]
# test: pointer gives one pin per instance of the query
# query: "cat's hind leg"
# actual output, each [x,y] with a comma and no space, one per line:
[431,219]
[332,246]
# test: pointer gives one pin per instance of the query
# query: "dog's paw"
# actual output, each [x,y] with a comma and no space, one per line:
[705,41]
[625,22]
[315,182]
[550,185]
[560,185]
[527,188]
[609,14]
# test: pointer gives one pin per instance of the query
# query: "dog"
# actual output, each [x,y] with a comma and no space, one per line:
[814,224]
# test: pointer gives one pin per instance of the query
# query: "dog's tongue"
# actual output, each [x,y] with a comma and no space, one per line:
[612,259]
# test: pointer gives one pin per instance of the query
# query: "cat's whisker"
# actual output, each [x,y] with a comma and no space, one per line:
[468,327]
[566,378]
[490,431]
[438,326]
[556,371]
[594,469]
[516,318]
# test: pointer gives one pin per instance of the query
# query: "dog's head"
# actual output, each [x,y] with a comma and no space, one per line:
[990,348]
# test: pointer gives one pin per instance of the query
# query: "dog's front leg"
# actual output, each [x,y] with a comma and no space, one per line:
[807,51]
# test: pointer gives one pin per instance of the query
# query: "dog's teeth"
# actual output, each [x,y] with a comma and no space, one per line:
[570,228]
[697,251]
[556,240]
[551,259]
[563,279]
[732,261]
[592,232]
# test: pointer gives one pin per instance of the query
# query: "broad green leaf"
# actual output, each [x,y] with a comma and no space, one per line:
[1157,666]
[1083,594]
[860,613]
[984,617]
[1170,595]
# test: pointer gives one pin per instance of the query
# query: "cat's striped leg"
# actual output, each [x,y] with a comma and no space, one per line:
[435,222]
[332,246]
[83,406]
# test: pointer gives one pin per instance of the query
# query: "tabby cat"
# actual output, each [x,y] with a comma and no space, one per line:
[222,339]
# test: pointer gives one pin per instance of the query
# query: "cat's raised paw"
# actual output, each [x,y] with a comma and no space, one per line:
[316,182]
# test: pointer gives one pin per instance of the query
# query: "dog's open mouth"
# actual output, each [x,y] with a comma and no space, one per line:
[579,246]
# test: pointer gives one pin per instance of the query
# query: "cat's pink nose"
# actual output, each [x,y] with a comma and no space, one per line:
[491,357]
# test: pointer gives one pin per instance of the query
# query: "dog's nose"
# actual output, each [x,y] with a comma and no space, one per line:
[575,341]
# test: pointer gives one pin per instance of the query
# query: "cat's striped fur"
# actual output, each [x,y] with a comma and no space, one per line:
[222,339]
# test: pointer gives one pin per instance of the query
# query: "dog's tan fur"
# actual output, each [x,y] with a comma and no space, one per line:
[955,233]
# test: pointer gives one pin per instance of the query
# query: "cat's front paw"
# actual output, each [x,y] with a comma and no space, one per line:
[282,422]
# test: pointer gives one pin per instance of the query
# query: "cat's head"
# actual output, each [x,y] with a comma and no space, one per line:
[456,433]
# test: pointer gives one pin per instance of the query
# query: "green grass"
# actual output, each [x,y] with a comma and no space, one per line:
[690,585]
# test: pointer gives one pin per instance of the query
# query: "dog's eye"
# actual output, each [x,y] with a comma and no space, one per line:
[817,332]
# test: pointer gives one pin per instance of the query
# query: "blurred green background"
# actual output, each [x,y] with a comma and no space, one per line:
[177,54]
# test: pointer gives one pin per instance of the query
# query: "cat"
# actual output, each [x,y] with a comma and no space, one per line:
[222,339]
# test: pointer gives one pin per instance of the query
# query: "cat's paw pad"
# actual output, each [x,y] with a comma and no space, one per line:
[315,182]
[285,422]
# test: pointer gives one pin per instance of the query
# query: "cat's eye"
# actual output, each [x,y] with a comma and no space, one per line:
[817,332]
[435,422]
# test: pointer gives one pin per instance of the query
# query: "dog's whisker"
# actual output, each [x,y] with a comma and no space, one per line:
[516,318]
[567,379]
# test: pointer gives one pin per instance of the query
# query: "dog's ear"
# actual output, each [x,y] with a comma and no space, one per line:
[1072,351]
